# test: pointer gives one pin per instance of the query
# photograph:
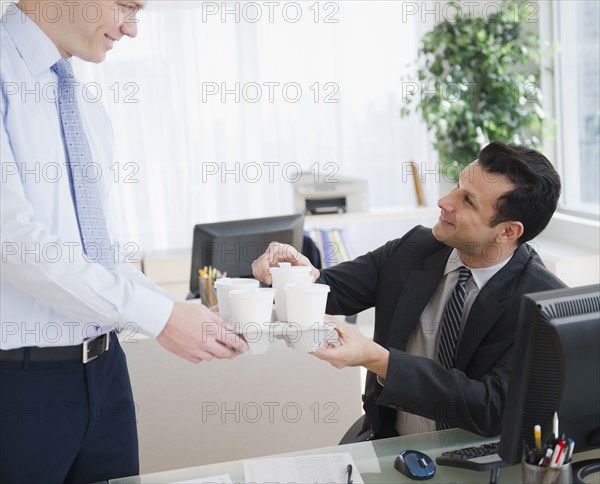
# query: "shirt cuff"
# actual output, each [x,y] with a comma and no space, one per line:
[146,311]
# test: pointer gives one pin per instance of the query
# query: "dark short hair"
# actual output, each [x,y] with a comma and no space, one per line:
[537,186]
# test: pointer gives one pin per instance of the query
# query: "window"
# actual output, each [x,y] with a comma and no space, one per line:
[577,71]
[228,107]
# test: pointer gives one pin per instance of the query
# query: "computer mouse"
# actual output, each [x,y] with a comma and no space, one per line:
[415,465]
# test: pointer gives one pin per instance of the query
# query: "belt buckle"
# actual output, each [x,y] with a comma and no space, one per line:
[85,357]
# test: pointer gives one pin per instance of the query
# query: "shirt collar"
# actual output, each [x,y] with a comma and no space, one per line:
[34,46]
[480,276]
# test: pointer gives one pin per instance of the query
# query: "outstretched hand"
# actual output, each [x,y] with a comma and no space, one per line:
[196,333]
[355,349]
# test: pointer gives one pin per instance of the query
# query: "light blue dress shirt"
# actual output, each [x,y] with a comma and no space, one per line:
[50,294]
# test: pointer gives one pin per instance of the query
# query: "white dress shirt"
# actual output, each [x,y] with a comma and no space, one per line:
[50,294]
[424,340]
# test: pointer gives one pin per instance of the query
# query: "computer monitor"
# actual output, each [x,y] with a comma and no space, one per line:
[232,246]
[555,368]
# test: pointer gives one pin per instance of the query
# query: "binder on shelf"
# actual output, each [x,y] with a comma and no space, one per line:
[332,244]
[328,249]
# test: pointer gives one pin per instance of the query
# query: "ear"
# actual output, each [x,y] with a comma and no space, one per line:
[510,232]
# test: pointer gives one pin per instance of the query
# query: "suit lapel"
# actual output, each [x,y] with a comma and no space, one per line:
[417,292]
[486,309]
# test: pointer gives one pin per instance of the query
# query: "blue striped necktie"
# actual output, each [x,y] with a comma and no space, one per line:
[451,325]
[83,175]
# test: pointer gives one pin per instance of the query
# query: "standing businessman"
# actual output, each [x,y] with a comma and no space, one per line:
[66,403]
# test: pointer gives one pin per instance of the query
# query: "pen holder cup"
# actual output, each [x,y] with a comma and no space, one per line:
[547,475]
[208,294]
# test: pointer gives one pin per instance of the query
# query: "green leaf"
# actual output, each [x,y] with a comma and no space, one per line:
[480,65]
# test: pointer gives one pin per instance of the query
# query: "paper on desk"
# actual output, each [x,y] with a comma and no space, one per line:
[329,468]
[223,479]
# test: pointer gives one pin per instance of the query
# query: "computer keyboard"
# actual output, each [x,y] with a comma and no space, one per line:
[482,458]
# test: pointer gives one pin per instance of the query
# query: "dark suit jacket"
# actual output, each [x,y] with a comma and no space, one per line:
[399,279]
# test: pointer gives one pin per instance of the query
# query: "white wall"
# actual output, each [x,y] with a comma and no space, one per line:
[216,411]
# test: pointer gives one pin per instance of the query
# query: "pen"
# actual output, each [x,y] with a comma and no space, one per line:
[558,456]
[571,447]
[544,461]
[555,425]
[533,456]
[525,450]
[537,433]
[349,474]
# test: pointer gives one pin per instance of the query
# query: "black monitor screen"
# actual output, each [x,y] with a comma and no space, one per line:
[555,368]
[231,247]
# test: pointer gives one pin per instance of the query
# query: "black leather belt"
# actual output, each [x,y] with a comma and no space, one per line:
[87,351]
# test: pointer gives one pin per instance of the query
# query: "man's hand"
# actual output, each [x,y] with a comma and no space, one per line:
[196,333]
[355,349]
[275,254]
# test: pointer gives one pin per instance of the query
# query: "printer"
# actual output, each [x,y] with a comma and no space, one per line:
[317,193]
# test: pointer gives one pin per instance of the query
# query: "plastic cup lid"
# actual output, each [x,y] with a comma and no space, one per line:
[309,289]
[232,281]
[254,293]
[288,267]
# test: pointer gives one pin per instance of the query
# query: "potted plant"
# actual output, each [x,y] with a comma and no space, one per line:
[478,81]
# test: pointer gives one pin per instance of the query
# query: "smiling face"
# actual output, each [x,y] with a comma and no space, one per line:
[88,29]
[466,212]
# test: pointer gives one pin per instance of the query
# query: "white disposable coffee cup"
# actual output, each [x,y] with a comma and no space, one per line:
[287,274]
[305,305]
[224,286]
[251,311]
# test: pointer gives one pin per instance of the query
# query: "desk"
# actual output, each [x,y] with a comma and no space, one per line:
[433,443]
[253,405]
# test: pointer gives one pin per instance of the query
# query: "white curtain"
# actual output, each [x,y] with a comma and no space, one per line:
[187,151]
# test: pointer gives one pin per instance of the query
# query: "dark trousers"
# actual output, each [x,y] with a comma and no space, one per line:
[67,422]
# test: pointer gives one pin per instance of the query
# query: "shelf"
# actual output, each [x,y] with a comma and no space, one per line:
[371,216]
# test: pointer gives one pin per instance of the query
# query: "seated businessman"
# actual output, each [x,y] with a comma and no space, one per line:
[446,300]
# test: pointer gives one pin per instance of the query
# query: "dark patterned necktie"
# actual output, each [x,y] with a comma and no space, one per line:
[451,326]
